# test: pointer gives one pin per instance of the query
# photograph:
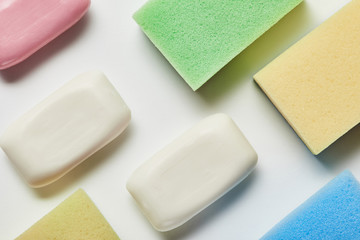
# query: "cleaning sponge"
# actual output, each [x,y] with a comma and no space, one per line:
[315,83]
[200,37]
[75,218]
[332,213]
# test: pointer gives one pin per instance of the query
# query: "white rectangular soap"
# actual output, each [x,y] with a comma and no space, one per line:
[192,172]
[65,128]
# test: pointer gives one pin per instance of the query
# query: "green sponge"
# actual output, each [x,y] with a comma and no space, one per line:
[199,37]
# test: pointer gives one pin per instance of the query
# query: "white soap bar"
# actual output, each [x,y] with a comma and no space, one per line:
[65,129]
[192,172]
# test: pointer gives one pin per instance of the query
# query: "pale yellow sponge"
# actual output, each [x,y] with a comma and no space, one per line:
[77,218]
[315,84]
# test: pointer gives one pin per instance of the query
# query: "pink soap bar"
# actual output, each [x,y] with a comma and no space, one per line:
[28,25]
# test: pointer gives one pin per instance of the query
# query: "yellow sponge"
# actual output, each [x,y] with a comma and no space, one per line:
[315,84]
[77,218]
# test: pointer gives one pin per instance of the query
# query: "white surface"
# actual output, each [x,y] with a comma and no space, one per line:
[191,172]
[163,107]
[66,128]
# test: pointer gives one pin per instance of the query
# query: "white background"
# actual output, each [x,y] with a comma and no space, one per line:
[163,107]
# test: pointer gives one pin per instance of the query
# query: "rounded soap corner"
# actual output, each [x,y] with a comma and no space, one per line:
[131,187]
[162,227]
[255,158]
[129,113]
[128,186]
[3,66]
[35,184]
[84,6]
[6,61]
[95,73]
[128,119]
[3,144]
[40,182]
[220,116]
[226,119]
[89,77]
[223,115]
[88,4]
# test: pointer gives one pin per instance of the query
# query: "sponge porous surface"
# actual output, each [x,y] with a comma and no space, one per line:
[199,37]
[333,213]
[75,218]
[315,84]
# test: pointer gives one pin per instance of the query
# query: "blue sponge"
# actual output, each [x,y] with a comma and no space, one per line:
[331,213]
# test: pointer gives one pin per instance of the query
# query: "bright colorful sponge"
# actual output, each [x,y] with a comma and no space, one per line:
[75,218]
[199,37]
[315,84]
[332,213]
